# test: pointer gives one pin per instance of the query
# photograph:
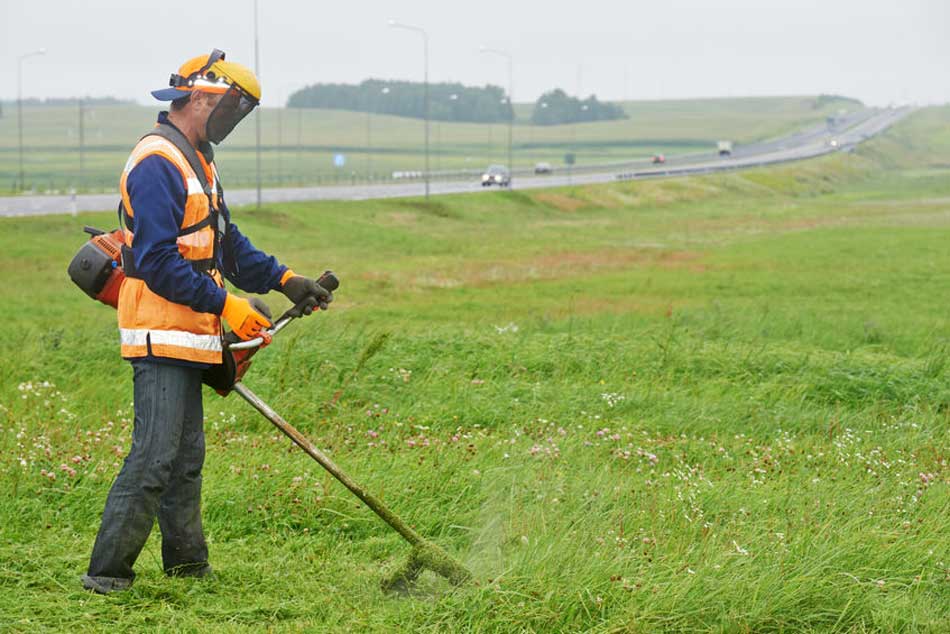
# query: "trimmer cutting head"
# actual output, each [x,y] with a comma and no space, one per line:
[426,556]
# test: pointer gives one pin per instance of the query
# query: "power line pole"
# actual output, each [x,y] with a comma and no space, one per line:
[299,136]
[82,146]
[425,53]
[511,103]
[257,115]
[280,142]
[19,110]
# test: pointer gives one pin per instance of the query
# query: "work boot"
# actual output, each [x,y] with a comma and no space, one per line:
[197,570]
[105,585]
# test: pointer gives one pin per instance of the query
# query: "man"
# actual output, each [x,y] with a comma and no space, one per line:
[179,241]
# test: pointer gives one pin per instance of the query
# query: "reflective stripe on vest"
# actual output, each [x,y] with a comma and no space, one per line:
[140,337]
[148,323]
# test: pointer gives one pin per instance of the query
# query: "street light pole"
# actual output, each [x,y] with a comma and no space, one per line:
[19,110]
[373,106]
[425,53]
[511,101]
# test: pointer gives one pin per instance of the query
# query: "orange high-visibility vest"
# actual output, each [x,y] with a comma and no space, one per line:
[147,320]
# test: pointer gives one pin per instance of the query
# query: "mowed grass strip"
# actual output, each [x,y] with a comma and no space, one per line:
[708,405]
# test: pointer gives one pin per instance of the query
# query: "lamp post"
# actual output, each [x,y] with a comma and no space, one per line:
[511,105]
[425,54]
[452,98]
[369,146]
[19,110]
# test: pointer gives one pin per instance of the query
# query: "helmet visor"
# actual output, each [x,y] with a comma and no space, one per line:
[233,106]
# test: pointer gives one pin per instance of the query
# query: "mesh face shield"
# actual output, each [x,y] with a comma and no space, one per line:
[234,106]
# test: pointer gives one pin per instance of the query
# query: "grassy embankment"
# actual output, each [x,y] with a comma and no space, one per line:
[299,145]
[711,404]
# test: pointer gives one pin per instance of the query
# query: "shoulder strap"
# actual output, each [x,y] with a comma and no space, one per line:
[215,219]
[176,138]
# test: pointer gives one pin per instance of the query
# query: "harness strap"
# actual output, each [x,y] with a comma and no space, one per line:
[215,218]
[175,137]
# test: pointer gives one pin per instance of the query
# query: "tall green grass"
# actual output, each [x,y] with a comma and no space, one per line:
[714,404]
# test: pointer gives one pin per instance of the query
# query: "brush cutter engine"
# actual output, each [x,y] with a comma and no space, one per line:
[97,266]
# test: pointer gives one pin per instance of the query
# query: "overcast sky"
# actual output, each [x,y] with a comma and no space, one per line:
[881,51]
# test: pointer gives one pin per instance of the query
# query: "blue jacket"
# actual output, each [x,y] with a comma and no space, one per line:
[158,194]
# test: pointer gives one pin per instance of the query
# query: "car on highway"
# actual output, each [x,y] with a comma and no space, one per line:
[496,175]
[724,148]
[833,143]
[658,159]
[543,168]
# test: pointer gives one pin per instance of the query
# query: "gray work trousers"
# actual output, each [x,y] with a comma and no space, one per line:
[161,477]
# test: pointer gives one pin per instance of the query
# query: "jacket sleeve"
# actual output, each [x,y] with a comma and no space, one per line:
[250,269]
[157,194]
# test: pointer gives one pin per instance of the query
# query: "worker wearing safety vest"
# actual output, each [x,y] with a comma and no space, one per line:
[180,245]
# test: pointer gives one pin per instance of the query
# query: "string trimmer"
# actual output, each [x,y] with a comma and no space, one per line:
[424,554]
[97,270]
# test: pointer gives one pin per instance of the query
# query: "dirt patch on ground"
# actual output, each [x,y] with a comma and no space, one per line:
[403,217]
[548,266]
[561,202]
[570,263]
[274,218]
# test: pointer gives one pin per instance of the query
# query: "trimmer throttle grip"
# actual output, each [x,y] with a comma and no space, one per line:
[329,281]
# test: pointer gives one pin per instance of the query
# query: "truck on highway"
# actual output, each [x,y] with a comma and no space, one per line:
[725,148]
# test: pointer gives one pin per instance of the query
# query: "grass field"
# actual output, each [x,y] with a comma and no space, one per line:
[299,145]
[714,404]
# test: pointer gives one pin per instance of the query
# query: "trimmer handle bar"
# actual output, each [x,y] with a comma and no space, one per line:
[328,281]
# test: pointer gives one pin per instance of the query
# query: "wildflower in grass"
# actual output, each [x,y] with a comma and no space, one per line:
[612,398]
[510,327]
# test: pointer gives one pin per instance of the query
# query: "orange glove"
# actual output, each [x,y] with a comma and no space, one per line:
[244,319]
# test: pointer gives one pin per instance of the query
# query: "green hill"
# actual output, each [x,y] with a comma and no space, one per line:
[299,144]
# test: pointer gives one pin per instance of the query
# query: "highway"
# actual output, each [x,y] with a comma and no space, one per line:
[809,143]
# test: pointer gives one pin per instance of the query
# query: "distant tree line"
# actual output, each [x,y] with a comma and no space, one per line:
[447,101]
[826,100]
[557,107]
[61,102]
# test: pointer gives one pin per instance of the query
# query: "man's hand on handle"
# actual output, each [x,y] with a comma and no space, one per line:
[246,317]
[305,293]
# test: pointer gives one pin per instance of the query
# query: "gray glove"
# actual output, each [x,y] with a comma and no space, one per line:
[306,295]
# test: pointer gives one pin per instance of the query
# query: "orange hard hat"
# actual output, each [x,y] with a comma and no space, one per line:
[209,74]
